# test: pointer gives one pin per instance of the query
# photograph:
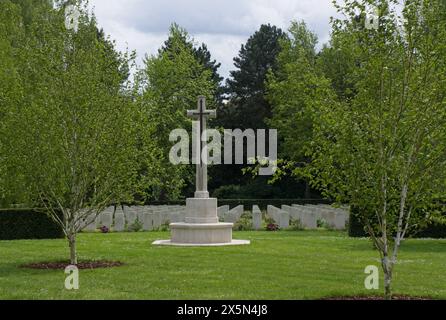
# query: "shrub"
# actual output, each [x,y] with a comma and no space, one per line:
[295,225]
[226,192]
[433,229]
[244,223]
[104,229]
[356,228]
[21,224]
[165,226]
[272,227]
[135,226]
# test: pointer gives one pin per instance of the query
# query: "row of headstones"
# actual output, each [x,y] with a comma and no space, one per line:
[153,217]
[150,217]
[121,218]
[309,215]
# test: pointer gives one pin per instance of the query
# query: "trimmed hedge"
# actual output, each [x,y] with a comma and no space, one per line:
[248,203]
[264,203]
[356,228]
[435,230]
[21,224]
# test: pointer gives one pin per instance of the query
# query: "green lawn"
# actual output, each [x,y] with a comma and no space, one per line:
[282,265]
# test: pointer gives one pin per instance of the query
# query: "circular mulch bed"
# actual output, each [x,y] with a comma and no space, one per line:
[378,298]
[81,265]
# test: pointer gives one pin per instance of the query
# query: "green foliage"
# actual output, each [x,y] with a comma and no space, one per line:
[257,189]
[435,227]
[12,35]
[356,228]
[296,91]
[20,224]
[383,150]
[164,227]
[227,192]
[295,225]
[246,86]
[135,226]
[169,85]
[244,223]
[322,223]
[387,136]
[70,134]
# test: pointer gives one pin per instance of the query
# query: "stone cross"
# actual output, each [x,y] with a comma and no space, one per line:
[201,114]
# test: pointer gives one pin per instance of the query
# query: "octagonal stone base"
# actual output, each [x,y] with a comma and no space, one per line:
[201,235]
[201,227]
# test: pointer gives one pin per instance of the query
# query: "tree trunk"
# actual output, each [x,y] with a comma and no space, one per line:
[72,244]
[387,268]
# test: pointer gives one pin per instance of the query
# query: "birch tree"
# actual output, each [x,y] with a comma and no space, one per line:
[11,37]
[384,149]
[73,134]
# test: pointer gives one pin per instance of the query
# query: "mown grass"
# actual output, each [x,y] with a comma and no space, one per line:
[277,265]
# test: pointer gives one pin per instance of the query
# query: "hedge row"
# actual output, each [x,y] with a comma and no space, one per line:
[436,230]
[248,203]
[21,224]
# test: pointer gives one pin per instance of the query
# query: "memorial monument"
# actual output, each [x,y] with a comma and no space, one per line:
[201,226]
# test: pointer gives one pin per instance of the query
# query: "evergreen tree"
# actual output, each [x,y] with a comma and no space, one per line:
[246,87]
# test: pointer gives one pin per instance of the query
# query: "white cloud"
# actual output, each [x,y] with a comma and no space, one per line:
[222,24]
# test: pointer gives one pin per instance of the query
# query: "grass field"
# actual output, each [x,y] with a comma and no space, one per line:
[281,265]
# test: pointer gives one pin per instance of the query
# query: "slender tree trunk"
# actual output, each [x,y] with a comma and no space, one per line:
[387,268]
[72,244]
[388,286]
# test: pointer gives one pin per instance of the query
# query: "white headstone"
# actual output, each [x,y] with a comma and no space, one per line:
[234,215]
[256,218]
[156,219]
[119,220]
[284,220]
[139,213]
[307,217]
[221,211]
[106,217]
[90,223]
[147,221]
[130,215]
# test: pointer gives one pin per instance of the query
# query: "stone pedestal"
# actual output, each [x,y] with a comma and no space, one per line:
[201,227]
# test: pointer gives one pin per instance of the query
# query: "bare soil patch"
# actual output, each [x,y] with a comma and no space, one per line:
[82,265]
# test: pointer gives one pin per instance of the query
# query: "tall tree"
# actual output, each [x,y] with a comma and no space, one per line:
[336,62]
[246,87]
[28,9]
[384,150]
[11,41]
[169,84]
[72,136]
[201,54]
[295,91]
[247,107]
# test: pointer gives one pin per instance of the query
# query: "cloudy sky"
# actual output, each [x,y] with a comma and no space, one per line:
[142,25]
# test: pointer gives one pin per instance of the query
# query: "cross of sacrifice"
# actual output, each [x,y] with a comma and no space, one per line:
[201,114]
